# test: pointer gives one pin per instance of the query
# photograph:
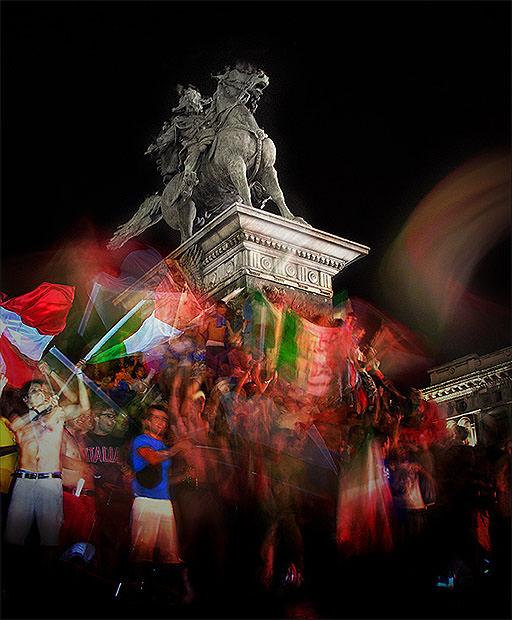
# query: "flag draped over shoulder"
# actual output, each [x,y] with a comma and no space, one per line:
[27,325]
[309,354]
[155,322]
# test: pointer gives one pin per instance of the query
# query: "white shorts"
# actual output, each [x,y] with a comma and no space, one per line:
[153,529]
[35,499]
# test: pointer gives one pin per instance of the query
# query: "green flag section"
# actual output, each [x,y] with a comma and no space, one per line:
[287,356]
[309,355]
[113,344]
[151,333]
[150,323]
[264,322]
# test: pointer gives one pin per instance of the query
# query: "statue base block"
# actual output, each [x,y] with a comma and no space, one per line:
[245,248]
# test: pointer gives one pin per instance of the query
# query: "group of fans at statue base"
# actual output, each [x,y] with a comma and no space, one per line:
[212,441]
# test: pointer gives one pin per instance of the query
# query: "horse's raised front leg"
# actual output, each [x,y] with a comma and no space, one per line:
[238,175]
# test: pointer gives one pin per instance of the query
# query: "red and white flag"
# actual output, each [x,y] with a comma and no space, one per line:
[27,325]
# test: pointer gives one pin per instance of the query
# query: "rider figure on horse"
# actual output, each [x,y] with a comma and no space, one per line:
[183,139]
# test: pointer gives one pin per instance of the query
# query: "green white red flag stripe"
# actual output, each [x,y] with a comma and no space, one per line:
[170,310]
[151,333]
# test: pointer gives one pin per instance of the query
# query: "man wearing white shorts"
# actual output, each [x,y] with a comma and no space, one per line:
[153,525]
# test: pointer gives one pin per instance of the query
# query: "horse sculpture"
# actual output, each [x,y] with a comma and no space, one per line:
[211,158]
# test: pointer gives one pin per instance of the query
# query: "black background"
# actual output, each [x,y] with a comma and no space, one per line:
[369,104]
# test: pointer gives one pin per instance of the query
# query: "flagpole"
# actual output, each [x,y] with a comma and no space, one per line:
[263,318]
[113,329]
[88,308]
[102,341]
[88,382]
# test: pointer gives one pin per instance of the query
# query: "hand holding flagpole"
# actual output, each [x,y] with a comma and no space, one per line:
[77,370]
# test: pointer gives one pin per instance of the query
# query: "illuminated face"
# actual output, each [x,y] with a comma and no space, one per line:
[105,422]
[156,422]
[38,395]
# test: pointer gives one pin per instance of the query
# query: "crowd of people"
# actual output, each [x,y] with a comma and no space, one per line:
[215,451]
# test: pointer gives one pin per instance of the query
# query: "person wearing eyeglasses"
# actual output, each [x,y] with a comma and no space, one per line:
[105,453]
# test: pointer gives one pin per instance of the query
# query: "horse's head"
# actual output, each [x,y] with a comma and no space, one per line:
[243,83]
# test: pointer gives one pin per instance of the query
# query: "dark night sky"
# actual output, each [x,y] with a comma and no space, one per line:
[369,104]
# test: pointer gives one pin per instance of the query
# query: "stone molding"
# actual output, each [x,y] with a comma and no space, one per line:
[469,383]
[246,247]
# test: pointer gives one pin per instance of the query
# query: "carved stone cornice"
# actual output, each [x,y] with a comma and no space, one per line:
[244,247]
[470,383]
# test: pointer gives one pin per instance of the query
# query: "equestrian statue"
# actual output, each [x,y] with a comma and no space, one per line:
[211,154]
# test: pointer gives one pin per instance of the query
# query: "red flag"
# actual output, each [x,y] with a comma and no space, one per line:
[27,324]
[16,367]
[45,308]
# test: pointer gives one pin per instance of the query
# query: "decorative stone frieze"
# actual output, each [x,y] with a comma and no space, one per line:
[476,392]
[244,247]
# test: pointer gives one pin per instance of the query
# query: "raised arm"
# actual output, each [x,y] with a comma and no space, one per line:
[3,383]
[84,405]
[66,390]
[155,457]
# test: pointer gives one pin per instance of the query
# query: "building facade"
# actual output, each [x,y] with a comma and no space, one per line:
[476,392]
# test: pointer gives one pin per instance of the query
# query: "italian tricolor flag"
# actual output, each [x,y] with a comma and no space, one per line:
[152,324]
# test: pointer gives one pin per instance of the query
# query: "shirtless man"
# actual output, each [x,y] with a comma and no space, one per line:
[217,330]
[37,491]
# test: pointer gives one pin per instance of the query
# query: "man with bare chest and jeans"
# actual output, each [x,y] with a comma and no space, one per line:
[37,492]
[217,331]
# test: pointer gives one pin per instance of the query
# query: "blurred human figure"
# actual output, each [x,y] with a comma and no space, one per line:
[142,380]
[283,546]
[217,331]
[37,493]
[502,530]
[154,539]
[8,449]
[104,452]
[364,512]
[78,483]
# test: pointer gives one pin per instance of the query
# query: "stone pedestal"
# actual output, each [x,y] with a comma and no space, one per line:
[245,247]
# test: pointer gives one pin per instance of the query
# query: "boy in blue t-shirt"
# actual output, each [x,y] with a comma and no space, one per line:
[153,526]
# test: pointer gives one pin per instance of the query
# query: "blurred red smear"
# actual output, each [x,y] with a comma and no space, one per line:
[365,504]
[428,426]
[430,264]
[401,352]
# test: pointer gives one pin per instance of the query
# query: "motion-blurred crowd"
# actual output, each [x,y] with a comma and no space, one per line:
[215,451]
